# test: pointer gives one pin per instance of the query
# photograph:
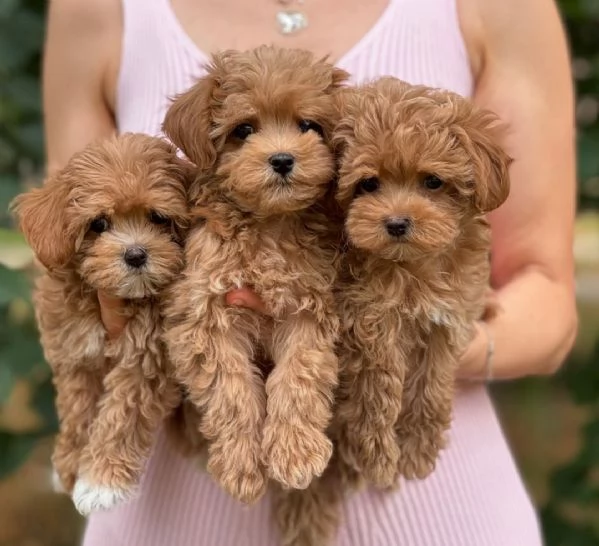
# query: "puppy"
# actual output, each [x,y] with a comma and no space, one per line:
[258,128]
[113,219]
[419,168]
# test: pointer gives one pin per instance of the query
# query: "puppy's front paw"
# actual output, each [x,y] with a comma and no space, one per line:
[419,452]
[295,455]
[89,497]
[236,467]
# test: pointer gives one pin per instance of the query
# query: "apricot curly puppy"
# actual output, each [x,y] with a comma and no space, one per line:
[258,128]
[419,169]
[111,220]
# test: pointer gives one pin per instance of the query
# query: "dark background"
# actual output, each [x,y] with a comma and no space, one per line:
[553,424]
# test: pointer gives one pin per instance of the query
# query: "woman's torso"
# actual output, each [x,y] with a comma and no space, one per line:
[416,40]
[475,496]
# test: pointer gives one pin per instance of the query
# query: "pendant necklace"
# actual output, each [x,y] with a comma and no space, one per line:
[291,18]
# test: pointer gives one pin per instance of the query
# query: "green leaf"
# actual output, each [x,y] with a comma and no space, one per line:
[20,350]
[591,8]
[558,531]
[8,154]
[31,138]
[14,252]
[6,383]
[588,159]
[8,7]
[14,450]
[13,284]
[567,481]
[22,92]
[43,402]
[591,441]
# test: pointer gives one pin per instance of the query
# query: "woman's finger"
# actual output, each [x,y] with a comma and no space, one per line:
[245,297]
[111,313]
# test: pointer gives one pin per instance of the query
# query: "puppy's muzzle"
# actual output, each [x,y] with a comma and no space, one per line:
[398,226]
[135,256]
[282,163]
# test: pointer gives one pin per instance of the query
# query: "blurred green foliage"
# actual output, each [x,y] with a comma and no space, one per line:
[21,157]
[574,487]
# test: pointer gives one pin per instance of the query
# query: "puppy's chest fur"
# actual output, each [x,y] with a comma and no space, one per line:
[382,301]
[72,333]
[287,260]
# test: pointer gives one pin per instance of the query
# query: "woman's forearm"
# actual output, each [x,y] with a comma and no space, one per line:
[532,333]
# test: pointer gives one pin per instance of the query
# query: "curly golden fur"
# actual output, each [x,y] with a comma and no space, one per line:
[113,219]
[258,127]
[419,168]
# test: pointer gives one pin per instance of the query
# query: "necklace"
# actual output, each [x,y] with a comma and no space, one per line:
[289,19]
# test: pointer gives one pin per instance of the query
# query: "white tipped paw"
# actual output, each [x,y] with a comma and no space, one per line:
[88,497]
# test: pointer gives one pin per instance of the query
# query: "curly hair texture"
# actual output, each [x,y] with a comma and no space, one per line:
[419,168]
[258,127]
[113,219]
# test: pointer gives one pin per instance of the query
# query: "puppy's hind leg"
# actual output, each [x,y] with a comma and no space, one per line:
[309,517]
[138,398]
[426,414]
[77,395]
[369,403]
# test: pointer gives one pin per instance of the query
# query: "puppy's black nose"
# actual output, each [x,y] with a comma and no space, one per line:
[136,256]
[397,226]
[281,163]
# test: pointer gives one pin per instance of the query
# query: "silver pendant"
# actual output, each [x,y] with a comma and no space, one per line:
[291,21]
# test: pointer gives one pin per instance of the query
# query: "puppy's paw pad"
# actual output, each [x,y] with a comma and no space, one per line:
[89,497]
[294,458]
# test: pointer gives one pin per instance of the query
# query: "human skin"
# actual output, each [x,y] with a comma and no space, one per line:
[520,64]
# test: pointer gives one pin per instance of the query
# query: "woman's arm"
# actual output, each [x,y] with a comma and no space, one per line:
[521,58]
[82,45]
[81,61]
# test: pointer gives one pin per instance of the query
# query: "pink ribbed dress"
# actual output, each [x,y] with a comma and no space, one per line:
[475,497]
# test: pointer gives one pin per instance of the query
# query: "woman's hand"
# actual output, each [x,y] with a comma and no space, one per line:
[245,297]
[114,320]
[472,365]
[111,313]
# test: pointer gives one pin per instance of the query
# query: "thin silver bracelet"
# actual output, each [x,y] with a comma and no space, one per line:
[490,352]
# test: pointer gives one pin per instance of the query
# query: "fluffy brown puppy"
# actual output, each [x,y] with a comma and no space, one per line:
[419,168]
[258,127]
[111,220]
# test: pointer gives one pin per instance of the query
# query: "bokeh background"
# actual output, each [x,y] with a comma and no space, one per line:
[553,424]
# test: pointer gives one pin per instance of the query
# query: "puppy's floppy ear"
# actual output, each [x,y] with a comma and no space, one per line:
[42,215]
[490,162]
[347,105]
[188,122]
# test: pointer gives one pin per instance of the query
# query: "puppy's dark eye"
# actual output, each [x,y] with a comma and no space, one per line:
[306,125]
[158,219]
[243,130]
[99,224]
[433,182]
[368,185]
